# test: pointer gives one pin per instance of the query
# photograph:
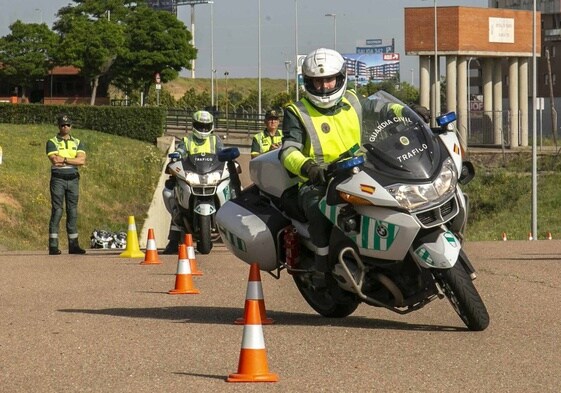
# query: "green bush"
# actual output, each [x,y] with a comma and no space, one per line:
[141,123]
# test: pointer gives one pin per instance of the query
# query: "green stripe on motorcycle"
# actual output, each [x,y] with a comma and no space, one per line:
[377,235]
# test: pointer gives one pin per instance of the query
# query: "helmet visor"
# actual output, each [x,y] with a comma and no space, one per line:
[202,127]
[321,86]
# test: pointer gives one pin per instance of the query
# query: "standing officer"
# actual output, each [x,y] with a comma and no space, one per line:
[66,154]
[268,139]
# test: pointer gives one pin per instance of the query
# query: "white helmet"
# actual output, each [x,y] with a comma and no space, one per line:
[203,124]
[322,63]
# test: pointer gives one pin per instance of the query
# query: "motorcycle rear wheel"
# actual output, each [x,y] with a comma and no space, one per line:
[204,241]
[460,291]
[321,298]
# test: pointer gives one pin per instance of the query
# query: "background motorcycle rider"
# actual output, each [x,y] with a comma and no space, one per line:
[201,140]
[268,139]
[317,129]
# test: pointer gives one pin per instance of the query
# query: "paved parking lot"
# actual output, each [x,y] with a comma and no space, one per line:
[100,323]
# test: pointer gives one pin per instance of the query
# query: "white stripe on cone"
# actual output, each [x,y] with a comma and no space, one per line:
[183,266]
[254,290]
[253,337]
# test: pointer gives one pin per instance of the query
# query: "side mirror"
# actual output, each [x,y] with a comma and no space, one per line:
[467,173]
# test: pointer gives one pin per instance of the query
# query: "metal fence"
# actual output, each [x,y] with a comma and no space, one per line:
[225,122]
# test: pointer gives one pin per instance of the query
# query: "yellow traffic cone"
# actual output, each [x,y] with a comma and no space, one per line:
[133,249]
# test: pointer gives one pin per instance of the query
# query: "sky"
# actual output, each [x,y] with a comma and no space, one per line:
[236,32]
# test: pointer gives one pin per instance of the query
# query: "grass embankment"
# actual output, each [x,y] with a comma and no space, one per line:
[244,86]
[501,197]
[118,181]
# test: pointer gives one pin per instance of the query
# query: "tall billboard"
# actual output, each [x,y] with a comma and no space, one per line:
[375,61]
[377,67]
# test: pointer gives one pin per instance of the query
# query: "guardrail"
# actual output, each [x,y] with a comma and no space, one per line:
[228,122]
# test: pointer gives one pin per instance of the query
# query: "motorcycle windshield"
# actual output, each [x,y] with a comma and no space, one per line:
[202,163]
[399,145]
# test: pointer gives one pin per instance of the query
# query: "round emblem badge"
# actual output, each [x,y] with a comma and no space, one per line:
[382,231]
[404,141]
[325,128]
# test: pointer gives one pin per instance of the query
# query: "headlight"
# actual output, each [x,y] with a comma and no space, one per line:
[209,179]
[412,196]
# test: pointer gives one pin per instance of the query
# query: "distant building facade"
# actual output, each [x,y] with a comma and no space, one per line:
[550,31]
[62,85]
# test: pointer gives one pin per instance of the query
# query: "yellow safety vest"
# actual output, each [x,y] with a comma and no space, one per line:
[208,146]
[330,136]
[66,148]
[265,141]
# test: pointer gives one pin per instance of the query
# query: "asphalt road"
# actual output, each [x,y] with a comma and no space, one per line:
[100,323]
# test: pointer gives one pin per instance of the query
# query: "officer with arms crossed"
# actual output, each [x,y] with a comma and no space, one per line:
[201,140]
[268,139]
[320,127]
[66,154]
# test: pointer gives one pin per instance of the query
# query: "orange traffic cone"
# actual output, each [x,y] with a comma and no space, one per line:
[530,237]
[151,257]
[549,237]
[254,293]
[183,279]
[252,366]
[191,255]
[133,249]
[504,236]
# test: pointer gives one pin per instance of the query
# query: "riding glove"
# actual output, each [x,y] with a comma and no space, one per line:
[314,172]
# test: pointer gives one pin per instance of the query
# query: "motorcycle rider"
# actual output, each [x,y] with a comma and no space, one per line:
[317,130]
[201,140]
[268,139]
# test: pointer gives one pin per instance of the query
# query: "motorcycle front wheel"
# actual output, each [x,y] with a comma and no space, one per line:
[460,291]
[204,242]
[322,298]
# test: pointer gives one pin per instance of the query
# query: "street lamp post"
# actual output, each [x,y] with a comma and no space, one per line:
[212,70]
[297,86]
[214,90]
[259,56]
[193,3]
[334,16]
[534,129]
[436,92]
[226,73]
[469,97]
[287,65]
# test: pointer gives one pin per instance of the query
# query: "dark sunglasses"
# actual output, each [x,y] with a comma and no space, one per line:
[65,125]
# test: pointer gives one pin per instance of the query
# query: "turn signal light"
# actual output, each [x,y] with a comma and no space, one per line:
[353,199]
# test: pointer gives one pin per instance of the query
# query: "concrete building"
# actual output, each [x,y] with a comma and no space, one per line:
[496,39]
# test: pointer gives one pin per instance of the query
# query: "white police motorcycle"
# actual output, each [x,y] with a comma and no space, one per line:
[202,186]
[398,214]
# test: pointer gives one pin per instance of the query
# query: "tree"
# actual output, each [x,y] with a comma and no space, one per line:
[156,41]
[26,53]
[90,40]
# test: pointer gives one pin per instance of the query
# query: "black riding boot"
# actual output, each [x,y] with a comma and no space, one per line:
[53,246]
[74,247]
[173,244]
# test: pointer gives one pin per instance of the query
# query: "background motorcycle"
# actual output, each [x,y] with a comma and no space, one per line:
[398,214]
[202,186]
